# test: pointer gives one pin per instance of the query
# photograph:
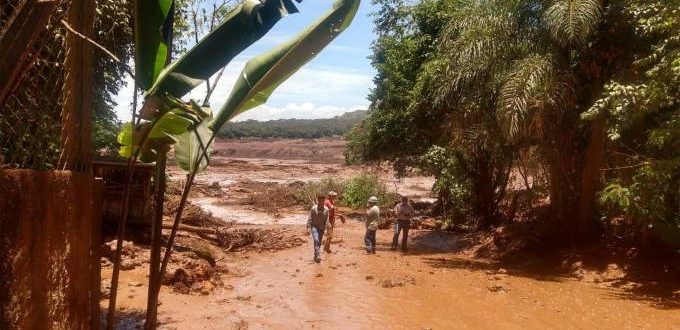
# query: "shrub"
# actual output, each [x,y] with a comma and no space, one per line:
[307,192]
[358,189]
[272,197]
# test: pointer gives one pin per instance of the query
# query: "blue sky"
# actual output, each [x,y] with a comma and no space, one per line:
[335,81]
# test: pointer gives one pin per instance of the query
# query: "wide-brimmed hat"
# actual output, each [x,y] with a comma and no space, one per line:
[373,200]
[332,193]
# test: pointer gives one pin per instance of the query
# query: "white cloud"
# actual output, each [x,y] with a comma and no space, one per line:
[337,88]
[348,49]
[305,110]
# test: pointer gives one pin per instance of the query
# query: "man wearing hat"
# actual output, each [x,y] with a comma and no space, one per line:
[330,205]
[372,219]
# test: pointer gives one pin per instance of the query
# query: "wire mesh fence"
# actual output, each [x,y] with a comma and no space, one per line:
[30,115]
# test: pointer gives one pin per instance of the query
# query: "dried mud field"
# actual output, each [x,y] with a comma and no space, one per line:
[263,276]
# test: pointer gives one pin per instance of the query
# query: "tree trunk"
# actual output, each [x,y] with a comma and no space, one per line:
[564,163]
[591,182]
[156,233]
[483,189]
[575,180]
[76,132]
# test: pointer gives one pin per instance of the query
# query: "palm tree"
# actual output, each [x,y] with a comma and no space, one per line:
[537,66]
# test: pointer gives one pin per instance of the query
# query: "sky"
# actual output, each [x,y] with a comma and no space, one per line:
[336,81]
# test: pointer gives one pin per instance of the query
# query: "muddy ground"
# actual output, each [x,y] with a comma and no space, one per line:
[256,271]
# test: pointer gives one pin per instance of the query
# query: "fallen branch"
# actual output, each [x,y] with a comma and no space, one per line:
[192,229]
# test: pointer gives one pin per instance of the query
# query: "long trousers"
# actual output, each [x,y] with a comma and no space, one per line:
[369,239]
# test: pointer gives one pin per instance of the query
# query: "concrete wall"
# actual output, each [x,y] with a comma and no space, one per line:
[49,250]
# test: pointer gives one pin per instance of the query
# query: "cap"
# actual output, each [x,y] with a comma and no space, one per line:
[332,193]
[373,199]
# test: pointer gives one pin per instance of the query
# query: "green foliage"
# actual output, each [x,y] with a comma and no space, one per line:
[196,18]
[168,120]
[293,128]
[243,26]
[113,30]
[151,39]
[195,143]
[466,89]
[643,113]
[175,121]
[431,90]
[264,73]
[359,188]
[452,183]
[407,39]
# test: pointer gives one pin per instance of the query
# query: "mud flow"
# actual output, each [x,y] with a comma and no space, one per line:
[246,267]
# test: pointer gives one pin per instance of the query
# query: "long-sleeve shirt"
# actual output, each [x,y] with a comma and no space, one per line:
[404,211]
[372,218]
[318,217]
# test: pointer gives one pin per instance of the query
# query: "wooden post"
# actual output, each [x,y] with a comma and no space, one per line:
[76,131]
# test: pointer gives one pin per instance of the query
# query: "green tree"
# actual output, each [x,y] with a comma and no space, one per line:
[412,110]
[493,81]
[544,63]
[642,110]
[113,30]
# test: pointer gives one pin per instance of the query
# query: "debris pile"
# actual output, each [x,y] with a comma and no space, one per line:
[193,215]
[193,276]
[131,256]
[259,239]
[397,281]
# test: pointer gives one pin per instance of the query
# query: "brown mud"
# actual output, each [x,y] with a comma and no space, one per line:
[428,288]
[447,280]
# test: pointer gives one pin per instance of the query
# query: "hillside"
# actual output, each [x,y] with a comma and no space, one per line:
[293,128]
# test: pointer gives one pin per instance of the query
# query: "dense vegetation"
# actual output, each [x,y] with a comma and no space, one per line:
[576,100]
[293,128]
[114,32]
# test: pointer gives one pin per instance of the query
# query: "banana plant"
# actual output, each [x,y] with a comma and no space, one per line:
[166,120]
[260,77]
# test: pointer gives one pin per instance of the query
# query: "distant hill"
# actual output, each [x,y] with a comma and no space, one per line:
[293,128]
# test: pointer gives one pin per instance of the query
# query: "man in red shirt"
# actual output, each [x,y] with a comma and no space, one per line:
[330,205]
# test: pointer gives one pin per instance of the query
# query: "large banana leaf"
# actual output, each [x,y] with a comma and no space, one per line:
[151,137]
[266,72]
[194,143]
[151,47]
[243,26]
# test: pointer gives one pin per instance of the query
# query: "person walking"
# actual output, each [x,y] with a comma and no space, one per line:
[403,211]
[330,205]
[316,224]
[372,220]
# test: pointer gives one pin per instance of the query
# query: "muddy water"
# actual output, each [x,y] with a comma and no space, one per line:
[432,290]
[427,289]
[239,214]
[228,172]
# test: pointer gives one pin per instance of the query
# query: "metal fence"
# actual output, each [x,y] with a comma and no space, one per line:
[30,116]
